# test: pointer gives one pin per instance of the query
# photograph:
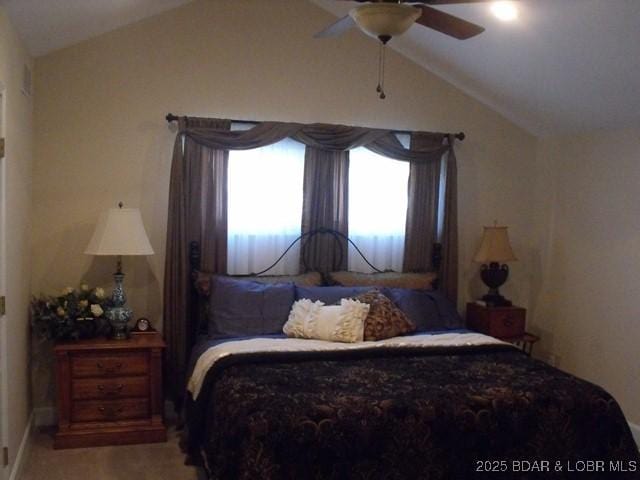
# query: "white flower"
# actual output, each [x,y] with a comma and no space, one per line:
[96,310]
[83,304]
[67,291]
[99,292]
[84,287]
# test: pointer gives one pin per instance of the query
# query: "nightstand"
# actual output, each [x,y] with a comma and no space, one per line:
[499,322]
[505,323]
[110,391]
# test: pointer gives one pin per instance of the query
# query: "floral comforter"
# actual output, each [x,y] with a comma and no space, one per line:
[484,411]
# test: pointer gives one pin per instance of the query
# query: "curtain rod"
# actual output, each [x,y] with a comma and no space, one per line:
[460,136]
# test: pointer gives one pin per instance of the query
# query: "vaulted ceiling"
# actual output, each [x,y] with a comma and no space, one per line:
[47,25]
[563,66]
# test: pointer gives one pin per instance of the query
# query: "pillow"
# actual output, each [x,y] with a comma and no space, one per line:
[329,295]
[428,310]
[419,281]
[335,323]
[202,280]
[242,307]
[448,311]
[309,279]
[384,320]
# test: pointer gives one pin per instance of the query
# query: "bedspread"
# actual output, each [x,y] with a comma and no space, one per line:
[439,413]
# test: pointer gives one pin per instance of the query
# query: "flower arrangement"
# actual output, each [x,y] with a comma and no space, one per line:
[74,314]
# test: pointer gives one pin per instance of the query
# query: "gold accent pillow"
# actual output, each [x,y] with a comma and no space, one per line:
[309,279]
[384,320]
[415,281]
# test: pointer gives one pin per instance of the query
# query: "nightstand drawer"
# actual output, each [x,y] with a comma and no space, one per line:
[506,323]
[499,322]
[109,365]
[110,410]
[109,388]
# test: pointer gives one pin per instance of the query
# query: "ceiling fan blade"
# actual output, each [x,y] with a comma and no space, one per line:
[447,24]
[448,2]
[430,2]
[336,28]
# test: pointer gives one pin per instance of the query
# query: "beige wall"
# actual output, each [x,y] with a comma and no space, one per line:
[589,310]
[101,135]
[17,198]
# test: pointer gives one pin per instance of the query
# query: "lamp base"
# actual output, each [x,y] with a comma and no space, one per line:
[119,315]
[493,276]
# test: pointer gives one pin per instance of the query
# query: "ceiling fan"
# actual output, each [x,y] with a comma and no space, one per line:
[385,19]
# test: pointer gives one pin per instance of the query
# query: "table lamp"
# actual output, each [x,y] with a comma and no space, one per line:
[119,232]
[495,249]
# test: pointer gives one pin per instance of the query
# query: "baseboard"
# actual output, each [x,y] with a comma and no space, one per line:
[45,417]
[23,452]
[635,430]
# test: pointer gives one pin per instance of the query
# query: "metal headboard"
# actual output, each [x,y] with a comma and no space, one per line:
[195,254]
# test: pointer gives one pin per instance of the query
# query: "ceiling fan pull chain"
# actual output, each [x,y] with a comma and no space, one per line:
[381,61]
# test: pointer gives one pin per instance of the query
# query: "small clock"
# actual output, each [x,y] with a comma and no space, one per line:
[143,325]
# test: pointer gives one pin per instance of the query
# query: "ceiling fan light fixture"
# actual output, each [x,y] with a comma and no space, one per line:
[504,10]
[385,20]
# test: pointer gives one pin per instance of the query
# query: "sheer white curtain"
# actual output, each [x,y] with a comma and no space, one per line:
[377,210]
[265,207]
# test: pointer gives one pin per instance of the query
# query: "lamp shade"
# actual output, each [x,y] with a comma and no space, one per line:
[385,19]
[120,232]
[495,246]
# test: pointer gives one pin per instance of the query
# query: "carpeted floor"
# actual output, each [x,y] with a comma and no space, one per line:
[128,462]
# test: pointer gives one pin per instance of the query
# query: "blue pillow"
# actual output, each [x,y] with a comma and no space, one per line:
[329,295]
[244,308]
[429,310]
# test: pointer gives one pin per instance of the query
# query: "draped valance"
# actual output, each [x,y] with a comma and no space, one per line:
[317,135]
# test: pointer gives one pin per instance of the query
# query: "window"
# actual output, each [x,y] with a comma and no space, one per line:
[377,210]
[265,207]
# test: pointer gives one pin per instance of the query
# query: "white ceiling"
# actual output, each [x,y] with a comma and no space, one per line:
[47,25]
[564,66]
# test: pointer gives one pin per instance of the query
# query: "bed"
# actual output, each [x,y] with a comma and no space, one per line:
[438,403]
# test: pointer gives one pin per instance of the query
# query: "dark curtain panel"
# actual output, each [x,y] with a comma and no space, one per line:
[422,207]
[449,270]
[425,210]
[326,183]
[197,212]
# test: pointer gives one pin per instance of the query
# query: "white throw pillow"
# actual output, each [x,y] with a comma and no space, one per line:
[335,323]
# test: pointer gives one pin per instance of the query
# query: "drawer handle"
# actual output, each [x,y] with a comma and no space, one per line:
[112,369]
[114,391]
[110,412]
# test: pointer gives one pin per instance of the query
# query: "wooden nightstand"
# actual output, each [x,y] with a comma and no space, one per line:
[110,391]
[499,322]
[505,323]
